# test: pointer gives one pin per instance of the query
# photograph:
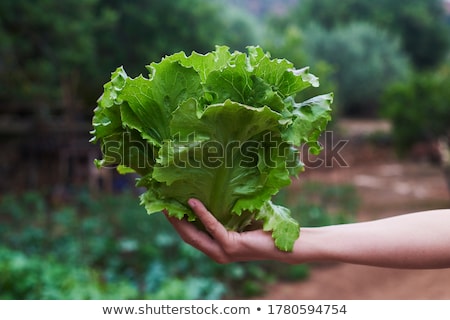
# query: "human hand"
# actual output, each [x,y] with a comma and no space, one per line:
[222,245]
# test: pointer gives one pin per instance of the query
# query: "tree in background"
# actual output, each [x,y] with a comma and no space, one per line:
[57,53]
[420,24]
[365,59]
[420,114]
[146,30]
[367,45]
[47,50]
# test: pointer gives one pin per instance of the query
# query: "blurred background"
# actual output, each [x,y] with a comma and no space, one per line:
[70,231]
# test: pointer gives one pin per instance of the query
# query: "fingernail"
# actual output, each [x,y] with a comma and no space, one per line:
[192,203]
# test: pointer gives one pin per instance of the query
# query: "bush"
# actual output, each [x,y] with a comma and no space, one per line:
[419,109]
[419,24]
[24,277]
[365,61]
[108,248]
[316,205]
[110,235]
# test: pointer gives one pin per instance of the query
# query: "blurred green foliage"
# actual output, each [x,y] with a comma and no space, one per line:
[419,24]
[32,278]
[107,247]
[419,109]
[57,53]
[366,60]
[315,204]
[363,46]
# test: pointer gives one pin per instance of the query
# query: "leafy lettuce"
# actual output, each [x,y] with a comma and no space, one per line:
[223,127]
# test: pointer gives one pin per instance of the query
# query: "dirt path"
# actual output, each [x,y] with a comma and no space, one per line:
[349,282]
[387,187]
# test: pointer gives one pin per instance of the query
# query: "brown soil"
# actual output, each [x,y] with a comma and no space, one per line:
[387,186]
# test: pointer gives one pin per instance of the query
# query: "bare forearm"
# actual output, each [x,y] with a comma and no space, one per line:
[418,240]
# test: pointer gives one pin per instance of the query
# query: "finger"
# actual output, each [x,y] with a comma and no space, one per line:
[212,225]
[196,238]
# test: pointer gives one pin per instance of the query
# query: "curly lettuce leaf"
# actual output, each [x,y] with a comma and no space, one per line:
[308,120]
[277,219]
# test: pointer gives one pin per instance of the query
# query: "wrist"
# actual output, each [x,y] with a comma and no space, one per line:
[313,244]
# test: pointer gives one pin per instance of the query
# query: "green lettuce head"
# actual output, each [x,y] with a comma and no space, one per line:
[224,128]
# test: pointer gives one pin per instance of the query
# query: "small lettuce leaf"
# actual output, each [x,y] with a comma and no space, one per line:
[277,219]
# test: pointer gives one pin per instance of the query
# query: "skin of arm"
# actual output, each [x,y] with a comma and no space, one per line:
[419,240]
